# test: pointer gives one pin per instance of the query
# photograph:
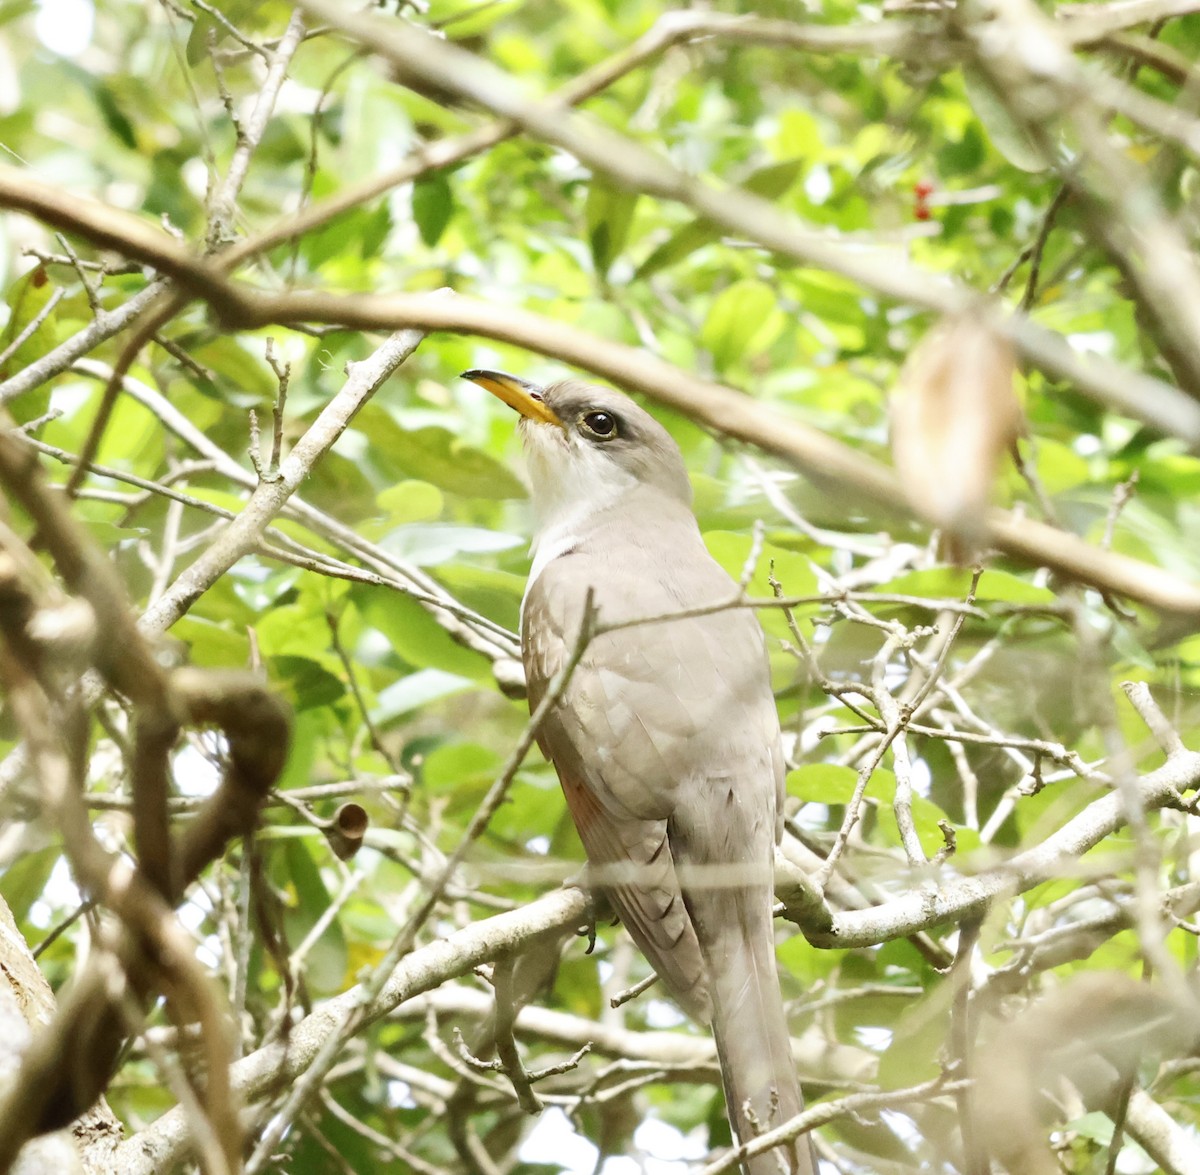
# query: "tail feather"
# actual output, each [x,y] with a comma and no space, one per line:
[762,1090]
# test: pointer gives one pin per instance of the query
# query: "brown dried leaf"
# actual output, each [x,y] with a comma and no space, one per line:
[954,415]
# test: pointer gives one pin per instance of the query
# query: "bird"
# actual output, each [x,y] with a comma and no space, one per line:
[666,738]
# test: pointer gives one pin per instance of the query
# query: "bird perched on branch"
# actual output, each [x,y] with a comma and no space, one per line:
[665,737]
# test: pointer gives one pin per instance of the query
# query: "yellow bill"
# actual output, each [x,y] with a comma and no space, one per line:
[516,393]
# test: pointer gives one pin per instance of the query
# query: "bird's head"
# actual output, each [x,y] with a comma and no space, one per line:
[588,446]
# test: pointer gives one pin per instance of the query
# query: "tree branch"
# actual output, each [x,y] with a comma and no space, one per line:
[936,903]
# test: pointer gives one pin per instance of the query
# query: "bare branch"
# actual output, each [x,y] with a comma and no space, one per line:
[1056,856]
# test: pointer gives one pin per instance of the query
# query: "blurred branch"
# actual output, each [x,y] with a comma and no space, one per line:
[1084,23]
[504,1019]
[26,1003]
[223,202]
[1142,700]
[735,415]
[672,28]
[358,1013]
[1172,64]
[721,408]
[1148,399]
[1173,1147]
[465,626]
[68,1063]
[48,642]
[1047,92]
[244,532]
[628,163]
[817,1058]
[32,326]
[851,1105]
[105,324]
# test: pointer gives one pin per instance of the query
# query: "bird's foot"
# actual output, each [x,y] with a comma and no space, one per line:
[598,907]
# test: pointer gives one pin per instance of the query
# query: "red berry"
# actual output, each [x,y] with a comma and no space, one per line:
[923,189]
[921,212]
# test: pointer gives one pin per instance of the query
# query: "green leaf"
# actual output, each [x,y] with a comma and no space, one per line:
[831,297]
[26,298]
[410,501]
[308,727]
[212,646]
[677,246]
[205,30]
[373,234]
[432,206]
[1096,1126]
[247,381]
[468,19]
[773,180]
[494,593]
[207,33]
[733,550]
[917,1041]
[964,156]
[461,768]
[295,629]
[792,571]
[743,317]
[609,215]
[416,690]
[24,881]
[116,119]
[427,544]
[952,583]
[259,587]
[823,783]
[306,684]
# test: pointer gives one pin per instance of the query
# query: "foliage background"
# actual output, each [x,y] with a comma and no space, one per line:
[899,153]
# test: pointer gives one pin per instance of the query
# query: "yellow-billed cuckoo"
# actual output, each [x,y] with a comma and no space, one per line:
[666,739]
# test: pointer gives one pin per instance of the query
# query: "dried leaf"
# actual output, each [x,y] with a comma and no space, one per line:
[954,416]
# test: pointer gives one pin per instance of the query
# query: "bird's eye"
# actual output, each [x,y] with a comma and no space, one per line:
[601,424]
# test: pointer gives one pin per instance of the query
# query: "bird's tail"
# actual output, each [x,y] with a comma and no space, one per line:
[762,1090]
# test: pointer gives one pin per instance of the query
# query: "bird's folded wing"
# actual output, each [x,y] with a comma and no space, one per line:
[630,861]
[618,786]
